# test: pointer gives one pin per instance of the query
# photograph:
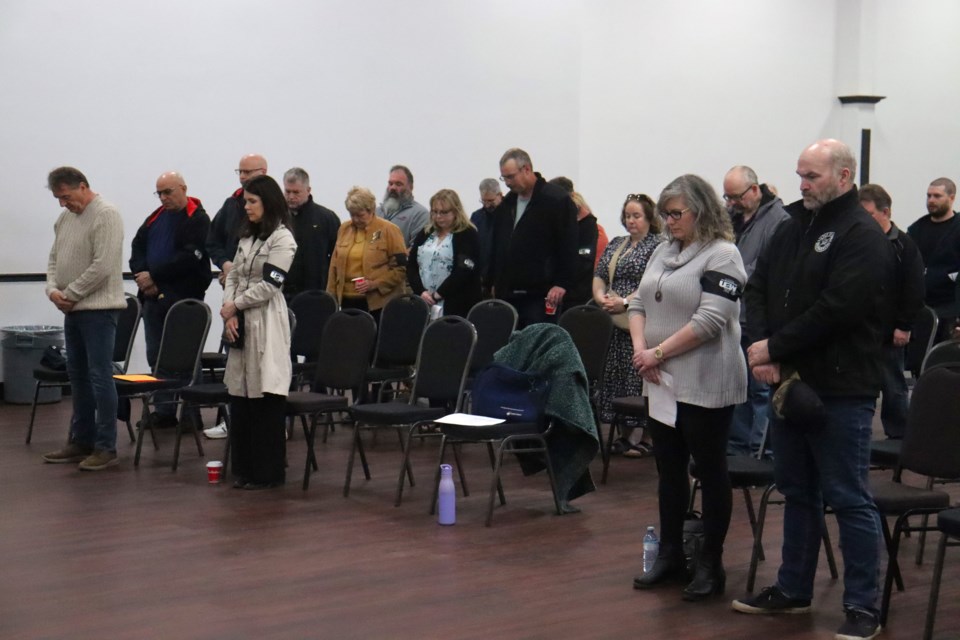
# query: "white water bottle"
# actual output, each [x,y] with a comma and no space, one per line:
[447,500]
[651,549]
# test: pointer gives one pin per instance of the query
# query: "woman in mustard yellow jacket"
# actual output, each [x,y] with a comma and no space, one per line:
[368,265]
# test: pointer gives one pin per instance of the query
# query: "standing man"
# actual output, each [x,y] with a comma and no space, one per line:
[937,236]
[814,307]
[85,282]
[756,213]
[482,219]
[169,262]
[400,208]
[903,305]
[223,239]
[534,254]
[315,229]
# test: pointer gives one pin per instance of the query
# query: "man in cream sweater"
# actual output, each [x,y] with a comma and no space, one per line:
[85,282]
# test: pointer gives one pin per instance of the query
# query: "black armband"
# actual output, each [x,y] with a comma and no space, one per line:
[274,275]
[398,259]
[722,285]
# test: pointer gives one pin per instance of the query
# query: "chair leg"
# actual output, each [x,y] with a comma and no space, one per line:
[310,462]
[353,452]
[935,587]
[758,537]
[552,477]
[133,438]
[197,424]
[33,411]
[606,451]
[495,482]
[460,472]
[405,447]
[752,517]
[436,479]
[892,566]
[176,442]
[887,541]
[493,464]
[406,464]
[141,427]
[828,551]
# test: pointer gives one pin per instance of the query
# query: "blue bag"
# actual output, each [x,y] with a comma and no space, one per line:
[515,396]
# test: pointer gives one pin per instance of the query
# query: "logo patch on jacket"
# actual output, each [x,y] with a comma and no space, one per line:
[274,275]
[722,285]
[823,242]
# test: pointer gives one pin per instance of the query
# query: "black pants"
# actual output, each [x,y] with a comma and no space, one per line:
[258,438]
[702,434]
[360,303]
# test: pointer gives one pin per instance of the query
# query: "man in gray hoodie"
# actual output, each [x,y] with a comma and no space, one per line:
[756,212]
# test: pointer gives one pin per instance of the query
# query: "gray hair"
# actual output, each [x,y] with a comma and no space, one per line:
[406,171]
[66,176]
[521,157]
[841,157]
[711,219]
[297,175]
[748,174]
[489,185]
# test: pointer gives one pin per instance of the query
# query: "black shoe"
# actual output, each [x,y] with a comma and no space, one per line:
[771,600]
[240,483]
[709,579]
[256,486]
[665,570]
[860,625]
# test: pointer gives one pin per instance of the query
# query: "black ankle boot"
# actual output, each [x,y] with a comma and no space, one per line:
[667,568]
[709,579]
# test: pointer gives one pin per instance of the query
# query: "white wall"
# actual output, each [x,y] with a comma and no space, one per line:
[620,95]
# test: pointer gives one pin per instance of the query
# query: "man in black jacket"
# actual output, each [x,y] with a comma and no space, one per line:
[169,262]
[903,304]
[223,239]
[815,309]
[315,229]
[534,255]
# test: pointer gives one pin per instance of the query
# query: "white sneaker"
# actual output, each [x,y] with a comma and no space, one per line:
[218,432]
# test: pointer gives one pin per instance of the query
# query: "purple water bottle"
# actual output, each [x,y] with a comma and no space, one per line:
[447,500]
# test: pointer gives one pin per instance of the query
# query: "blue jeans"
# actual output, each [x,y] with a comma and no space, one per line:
[829,464]
[893,405]
[750,419]
[89,336]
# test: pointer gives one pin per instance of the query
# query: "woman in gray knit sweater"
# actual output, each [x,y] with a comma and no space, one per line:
[685,329]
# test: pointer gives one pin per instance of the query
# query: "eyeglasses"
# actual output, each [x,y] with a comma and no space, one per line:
[246,172]
[675,214]
[165,192]
[737,197]
[435,212]
[508,176]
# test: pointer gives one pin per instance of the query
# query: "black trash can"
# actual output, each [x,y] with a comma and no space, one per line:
[23,346]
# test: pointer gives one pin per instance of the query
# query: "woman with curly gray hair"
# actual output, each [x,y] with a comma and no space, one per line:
[685,329]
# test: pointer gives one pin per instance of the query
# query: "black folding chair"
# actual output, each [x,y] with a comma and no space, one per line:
[402,322]
[494,321]
[948,522]
[127,324]
[312,308]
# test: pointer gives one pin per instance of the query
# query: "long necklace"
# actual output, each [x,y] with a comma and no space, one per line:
[658,296]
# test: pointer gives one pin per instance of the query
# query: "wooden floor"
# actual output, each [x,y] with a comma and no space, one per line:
[148,553]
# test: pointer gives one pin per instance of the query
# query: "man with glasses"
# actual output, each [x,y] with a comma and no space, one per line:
[222,240]
[482,219]
[400,208]
[756,213]
[169,262]
[534,253]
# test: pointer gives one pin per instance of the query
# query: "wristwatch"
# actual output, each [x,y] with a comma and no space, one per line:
[658,352]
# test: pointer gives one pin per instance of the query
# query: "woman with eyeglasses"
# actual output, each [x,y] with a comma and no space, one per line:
[443,267]
[685,328]
[616,277]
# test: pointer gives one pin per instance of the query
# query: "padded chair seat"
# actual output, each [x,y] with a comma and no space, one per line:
[213,360]
[949,522]
[885,453]
[304,368]
[307,402]
[126,388]
[207,393]
[630,406]
[895,498]
[745,471]
[379,374]
[52,376]
[493,432]
[387,413]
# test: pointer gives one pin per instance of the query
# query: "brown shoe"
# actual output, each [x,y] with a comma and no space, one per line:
[99,460]
[70,453]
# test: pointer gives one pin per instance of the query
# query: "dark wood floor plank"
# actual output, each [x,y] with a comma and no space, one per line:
[146,552]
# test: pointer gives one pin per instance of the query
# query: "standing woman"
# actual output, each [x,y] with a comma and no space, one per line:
[685,322]
[258,368]
[616,277]
[443,266]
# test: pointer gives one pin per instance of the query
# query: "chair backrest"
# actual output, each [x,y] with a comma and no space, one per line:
[922,334]
[443,360]
[494,321]
[402,321]
[127,325]
[313,308]
[591,330]
[945,354]
[931,442]
[345,348]
[184,334]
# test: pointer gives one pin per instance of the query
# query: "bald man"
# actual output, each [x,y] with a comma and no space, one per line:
[222,239]
[169,261]
[815,309]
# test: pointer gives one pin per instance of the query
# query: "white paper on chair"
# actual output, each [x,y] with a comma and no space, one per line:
[468,420]
[662,400]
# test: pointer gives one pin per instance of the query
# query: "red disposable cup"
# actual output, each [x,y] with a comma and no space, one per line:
[214,471]
[359,280]
[550,308]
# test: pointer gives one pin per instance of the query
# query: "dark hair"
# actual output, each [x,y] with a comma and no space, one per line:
[948,185]
[649,208]
[66,176]
[409,174]
[877,195]
[275,212]
[564,183]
